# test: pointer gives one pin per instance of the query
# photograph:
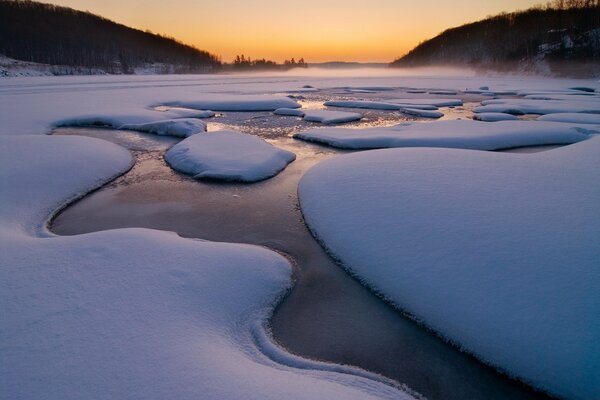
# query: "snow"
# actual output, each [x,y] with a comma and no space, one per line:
[136,313]
[528,106]
[579,118]
[428,102]
[323,116]
[464,134]
[496,252]
[330,117]
[229,156]
[494,117]
[230,102]
[179,127]
[375,105]
[294,112]
[183,127]
[178,112]
[422,113]
[443,92]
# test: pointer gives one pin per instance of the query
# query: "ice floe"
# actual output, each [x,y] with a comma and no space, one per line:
[427,102]
[494,117]
[579,118]
[496,252]
[464,134]
[179,127]
[229,156]
[529,106]
[182,127]
[230,102]
[375,105]
[294,112]
[136,313]
[330,117]
[422,113]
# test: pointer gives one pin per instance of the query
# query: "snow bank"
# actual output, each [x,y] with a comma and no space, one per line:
[457,134]
[496,252]
[230,102]
[135,313]
[494,117]
[578,118]
[229,156]
[525,106]
[330,117]
[183,127]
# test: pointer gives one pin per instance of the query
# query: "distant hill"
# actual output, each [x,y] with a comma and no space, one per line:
[561,38]
[47,34]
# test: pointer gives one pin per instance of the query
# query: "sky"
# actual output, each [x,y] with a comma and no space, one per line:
[317,30]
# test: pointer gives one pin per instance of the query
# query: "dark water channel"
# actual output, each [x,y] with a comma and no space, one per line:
[328,315]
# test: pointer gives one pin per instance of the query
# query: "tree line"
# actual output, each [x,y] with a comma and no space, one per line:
[557,32]
[49,34]
[243,63]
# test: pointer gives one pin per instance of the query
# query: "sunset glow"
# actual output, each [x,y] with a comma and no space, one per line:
[373,31]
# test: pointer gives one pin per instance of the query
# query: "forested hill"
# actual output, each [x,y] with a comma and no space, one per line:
[543,39]
[48,34]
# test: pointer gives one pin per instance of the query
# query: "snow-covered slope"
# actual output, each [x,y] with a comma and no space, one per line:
[497,252]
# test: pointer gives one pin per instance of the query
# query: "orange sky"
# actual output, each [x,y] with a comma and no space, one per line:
[326,30]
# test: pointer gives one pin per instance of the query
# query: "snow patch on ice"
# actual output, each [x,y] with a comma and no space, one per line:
[422,113]
[494,117]
[528,106]
[135,312]
[229,156]
[496,252]
[183,127]
[579,118]
[462,134]
[294,112]
[330,117]
[230,102]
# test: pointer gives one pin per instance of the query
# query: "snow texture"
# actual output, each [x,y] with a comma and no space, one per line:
[183,127]
[136,313]
[428,102]
[494,117]
[330,117]
[422,113]
[229,102]
[463,134]
[579,118]
[528,106]
[375,105]
[496,252]
[229,156]
[294,112]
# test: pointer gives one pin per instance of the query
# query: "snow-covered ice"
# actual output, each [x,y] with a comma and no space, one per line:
[136,313]
[422,113]
[494,117]
[496,252]
[230,102]
[294,112]
[150,123]
[229,156]
[182,127]
[528,106]
[427,102]
[579,118]
[462,134]
[330,117]
[374,105]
